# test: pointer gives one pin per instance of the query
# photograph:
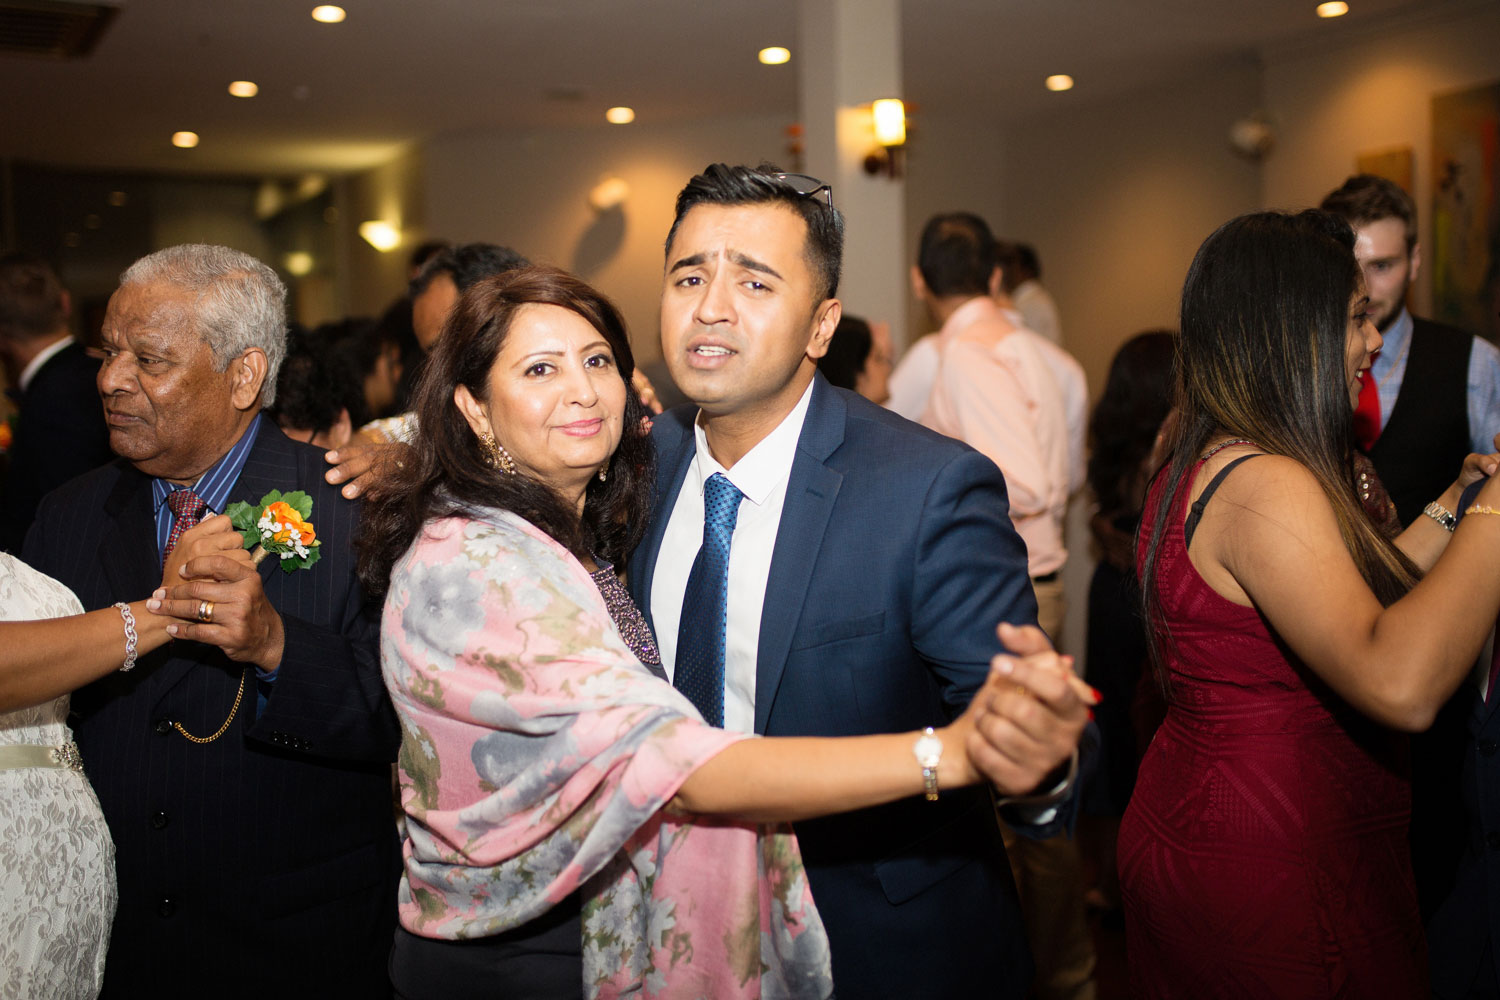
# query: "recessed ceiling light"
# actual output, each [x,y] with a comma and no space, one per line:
[184,140]
[620,116]
[775,55]
[1060,81]
[328,13]
[1334,8]
[243,88]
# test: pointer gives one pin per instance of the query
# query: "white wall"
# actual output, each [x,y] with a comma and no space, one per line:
[1116,197]
[1373,94]
[953,164]
[530,191]
[369,280]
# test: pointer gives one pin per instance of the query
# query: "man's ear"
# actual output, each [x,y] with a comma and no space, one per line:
[1416,264]
[825,321]
[918,284]
[996,281]
[248,375]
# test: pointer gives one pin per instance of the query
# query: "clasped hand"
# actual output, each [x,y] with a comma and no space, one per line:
[211,565]
[1025,722]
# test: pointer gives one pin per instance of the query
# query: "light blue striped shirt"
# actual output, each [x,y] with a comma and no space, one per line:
[1389,370]
[213,486]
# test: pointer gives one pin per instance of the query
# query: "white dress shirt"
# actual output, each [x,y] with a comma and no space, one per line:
[761,475]
[43,356]
[911,381]
[1038,310]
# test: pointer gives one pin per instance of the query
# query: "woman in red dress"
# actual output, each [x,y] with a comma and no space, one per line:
[1264,852]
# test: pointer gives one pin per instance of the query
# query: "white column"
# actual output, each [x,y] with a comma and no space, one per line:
[849,54]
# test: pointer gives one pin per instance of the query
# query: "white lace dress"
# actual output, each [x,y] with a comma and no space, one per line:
[57,862]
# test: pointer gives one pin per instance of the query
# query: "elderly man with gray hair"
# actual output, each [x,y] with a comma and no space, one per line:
[245,768]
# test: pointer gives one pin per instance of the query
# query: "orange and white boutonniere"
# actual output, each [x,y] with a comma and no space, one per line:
[280,526]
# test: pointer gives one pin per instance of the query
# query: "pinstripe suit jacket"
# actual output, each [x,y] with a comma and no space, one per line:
[267,858]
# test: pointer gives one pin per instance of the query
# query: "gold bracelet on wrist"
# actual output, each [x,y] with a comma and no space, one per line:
[1481,508]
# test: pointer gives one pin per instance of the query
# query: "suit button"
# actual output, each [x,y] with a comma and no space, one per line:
[1488,747]
[166,908]
[158,820]
[163,726]
[1493,840]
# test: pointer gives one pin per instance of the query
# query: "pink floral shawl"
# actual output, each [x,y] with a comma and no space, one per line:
[537,756]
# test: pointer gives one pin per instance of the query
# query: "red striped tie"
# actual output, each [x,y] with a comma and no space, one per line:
[187,510]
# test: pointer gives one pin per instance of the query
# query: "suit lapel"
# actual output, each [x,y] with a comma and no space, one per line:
[811,490]
[672,466]
[265,469]
[128,553]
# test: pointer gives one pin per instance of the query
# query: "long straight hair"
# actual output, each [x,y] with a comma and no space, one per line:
[1261,355]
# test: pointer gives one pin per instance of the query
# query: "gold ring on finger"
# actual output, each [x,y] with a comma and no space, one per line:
[206,612]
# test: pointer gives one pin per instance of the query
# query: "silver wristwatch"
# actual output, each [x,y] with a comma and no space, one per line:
[928,750]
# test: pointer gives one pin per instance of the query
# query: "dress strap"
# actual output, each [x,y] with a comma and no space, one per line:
[1196,514]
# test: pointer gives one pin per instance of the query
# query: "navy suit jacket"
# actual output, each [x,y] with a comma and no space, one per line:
[894,560]
[267,859]
[1465,929]
[60,434]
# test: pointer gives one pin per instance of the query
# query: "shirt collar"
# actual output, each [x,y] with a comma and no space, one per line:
[214,485]
[763,467]
[1394,339]
[45,355]
[978,308]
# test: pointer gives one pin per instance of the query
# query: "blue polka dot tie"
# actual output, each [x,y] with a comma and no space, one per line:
[699,673]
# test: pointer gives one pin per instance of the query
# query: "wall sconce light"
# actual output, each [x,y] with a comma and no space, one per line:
[889,117]
[609,193]
[380,234]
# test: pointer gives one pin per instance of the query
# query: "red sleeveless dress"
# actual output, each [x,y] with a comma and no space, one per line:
[1264,851]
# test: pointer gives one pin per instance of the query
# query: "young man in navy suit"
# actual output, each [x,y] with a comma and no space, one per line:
[866,564]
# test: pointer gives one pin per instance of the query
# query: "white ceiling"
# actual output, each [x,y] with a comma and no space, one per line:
[345,96]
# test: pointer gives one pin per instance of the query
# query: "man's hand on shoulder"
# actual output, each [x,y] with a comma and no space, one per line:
[241,621]
[359,463]
[1033,709]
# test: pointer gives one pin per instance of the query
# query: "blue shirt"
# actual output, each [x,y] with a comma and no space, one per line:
[1389,369]
[213,486]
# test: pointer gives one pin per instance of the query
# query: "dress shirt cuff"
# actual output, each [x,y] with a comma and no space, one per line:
[1040,808]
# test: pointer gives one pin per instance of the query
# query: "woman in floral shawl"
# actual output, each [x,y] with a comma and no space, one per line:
[573,826]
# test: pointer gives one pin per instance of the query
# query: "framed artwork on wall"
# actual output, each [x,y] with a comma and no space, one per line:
[1464,258]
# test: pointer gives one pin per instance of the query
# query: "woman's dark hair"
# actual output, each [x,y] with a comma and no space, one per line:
[1122,431]
[1265,318]
[446,473]
[848,350]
